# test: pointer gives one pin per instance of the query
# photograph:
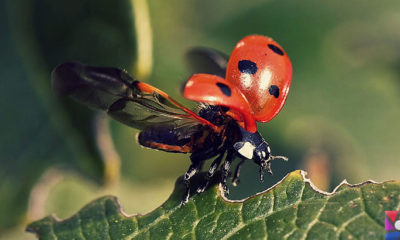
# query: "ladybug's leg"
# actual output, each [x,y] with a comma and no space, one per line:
[198,158]
[265,165]
[193,169]
[213,167]
[235,179]
[225,170]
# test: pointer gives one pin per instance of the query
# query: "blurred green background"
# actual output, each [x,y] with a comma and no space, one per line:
[341,120]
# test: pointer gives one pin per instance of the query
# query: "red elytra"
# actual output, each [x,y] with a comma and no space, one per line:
[258,75]
[264,84]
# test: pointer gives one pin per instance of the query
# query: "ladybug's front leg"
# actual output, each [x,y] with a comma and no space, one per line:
[235,179]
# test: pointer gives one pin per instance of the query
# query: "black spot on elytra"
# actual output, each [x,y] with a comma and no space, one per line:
[274,91]
[276,49]
[247,66]
[224,89]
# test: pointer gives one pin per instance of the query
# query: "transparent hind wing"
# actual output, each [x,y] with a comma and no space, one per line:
[115,92]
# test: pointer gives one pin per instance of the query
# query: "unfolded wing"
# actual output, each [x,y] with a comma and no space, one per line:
[114,91]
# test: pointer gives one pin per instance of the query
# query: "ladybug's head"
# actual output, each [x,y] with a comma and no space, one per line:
[253,146]
[262,153]
[262,157]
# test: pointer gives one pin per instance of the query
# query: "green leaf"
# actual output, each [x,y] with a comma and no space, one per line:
[292,209]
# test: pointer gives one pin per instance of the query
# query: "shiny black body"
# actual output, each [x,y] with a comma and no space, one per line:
[207,144]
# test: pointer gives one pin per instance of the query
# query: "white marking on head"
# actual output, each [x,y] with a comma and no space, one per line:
[247,150]
[269,149]
[246,80]
[263,154]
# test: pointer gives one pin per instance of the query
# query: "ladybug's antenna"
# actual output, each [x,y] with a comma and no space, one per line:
[280,157]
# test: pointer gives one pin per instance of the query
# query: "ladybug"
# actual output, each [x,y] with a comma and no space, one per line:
[252,86]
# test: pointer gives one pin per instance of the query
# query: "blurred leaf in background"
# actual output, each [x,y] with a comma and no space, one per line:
[340,120]
[40,130]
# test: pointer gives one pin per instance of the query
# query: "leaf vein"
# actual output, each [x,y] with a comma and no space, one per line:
[106,220]
[193,232]
[264,226]
[52,229]
[344,225]
[314,221]
[365,209]
[287,235]
[215,222]
[156,221]
[262,218]
[297,206]
[274,199]
[80,230]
